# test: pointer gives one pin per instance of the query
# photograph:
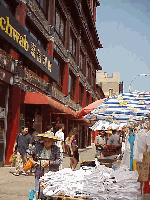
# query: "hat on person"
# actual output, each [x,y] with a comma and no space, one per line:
[47,135]
[110,132]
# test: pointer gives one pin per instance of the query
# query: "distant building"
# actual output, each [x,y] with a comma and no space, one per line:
[110,85]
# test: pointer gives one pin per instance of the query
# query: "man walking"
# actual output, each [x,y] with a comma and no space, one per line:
[22,143]
[100,142]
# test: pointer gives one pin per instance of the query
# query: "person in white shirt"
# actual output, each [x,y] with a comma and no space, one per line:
[100,142]
[61,143]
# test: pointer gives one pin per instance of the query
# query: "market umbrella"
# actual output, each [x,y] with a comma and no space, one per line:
[99,124]
[89,108]
[122,108]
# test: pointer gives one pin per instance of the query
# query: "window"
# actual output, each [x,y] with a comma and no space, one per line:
[60,64]
[72,45]
[35,34]
[80,94]
[81,60]
[87,72]
[110,92]
[11,6]
[93,81]
[56,61]
[71,85]
[87,98]
[42,4]
[60,24]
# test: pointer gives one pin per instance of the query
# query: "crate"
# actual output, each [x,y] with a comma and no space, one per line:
[88,163]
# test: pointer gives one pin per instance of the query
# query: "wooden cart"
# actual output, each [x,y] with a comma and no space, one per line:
[67,198]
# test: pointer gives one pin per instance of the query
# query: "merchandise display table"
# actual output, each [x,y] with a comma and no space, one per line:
[91,182]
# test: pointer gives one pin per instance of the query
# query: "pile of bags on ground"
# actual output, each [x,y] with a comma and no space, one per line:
[93,182]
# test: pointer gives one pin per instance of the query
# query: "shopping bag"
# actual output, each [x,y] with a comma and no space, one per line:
[10,159]
[28,165]
[31,194]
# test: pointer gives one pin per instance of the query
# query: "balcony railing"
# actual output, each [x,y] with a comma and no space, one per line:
[25,78]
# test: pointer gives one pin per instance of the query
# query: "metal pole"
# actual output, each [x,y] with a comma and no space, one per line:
[134,78]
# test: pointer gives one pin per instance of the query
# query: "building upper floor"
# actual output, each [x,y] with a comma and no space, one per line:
[59,28]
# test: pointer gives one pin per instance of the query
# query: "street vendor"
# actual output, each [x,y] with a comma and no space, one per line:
[49,152]
[114,140]
[100,142]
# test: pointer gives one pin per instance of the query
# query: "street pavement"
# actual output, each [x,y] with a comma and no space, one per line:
[17,187]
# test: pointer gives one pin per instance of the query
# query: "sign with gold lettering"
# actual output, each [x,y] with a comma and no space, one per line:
[14,33]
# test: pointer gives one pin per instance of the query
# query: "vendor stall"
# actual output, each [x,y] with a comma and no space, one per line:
[99,182]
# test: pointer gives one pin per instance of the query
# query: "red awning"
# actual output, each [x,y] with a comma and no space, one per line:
[89,108]
[39,98]
[33,98]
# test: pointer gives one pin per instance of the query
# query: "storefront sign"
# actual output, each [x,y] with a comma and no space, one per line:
[14,33]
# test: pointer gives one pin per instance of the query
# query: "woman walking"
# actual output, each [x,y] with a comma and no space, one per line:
[74,155]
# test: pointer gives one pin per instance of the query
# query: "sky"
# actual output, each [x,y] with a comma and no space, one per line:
[123,28]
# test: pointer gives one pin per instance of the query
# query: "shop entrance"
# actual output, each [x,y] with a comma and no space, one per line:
[3,122]
[31,117]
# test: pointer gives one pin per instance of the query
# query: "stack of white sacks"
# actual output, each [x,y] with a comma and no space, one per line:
[96,183]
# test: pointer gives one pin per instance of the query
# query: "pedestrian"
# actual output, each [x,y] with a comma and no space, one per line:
[67,144]
[34,135]
[50,152]
[74,155]
[50,129]
[114,138]
[61,144]
[22,143]
[114,141]
[100,142]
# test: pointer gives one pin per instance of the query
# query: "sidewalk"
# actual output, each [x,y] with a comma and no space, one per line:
[17,188]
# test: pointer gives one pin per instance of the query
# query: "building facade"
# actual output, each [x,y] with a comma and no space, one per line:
[48,66]
[110,85]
